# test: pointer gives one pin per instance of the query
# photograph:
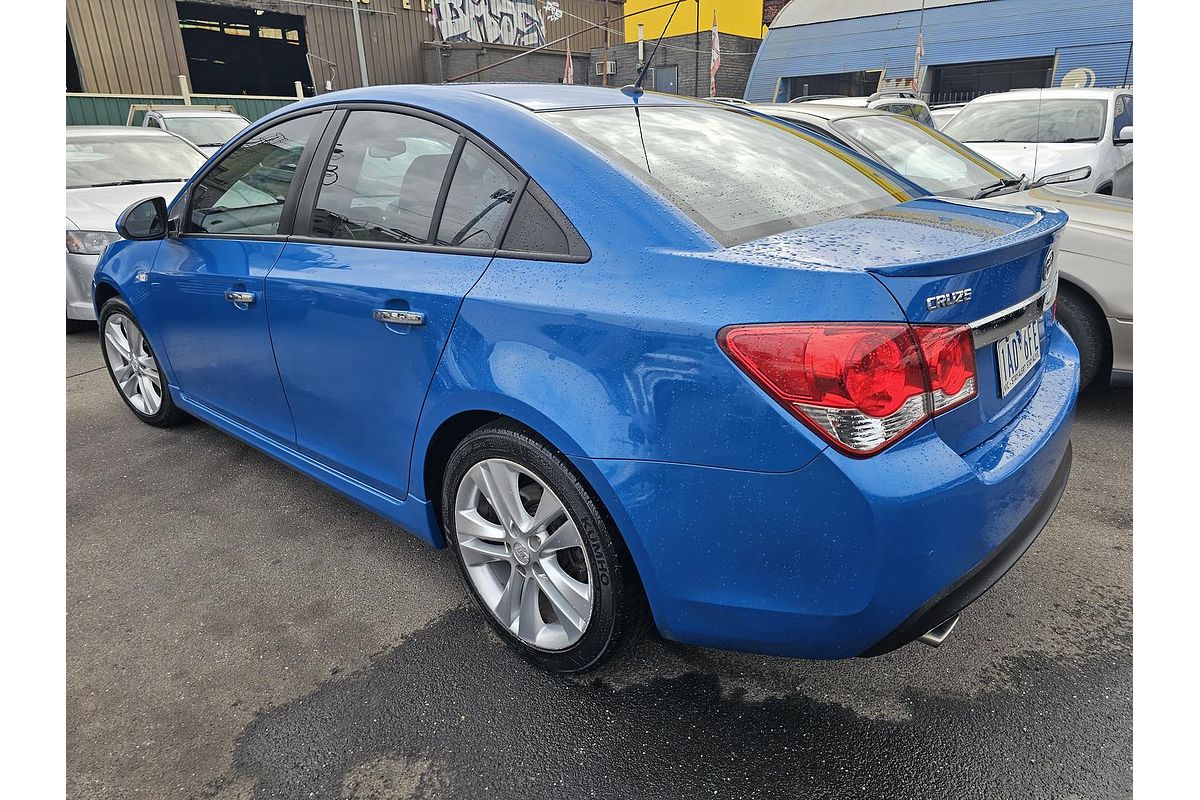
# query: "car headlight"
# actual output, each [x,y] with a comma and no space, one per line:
[90,243]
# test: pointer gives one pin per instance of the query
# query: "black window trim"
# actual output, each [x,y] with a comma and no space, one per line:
[301,224]
[183,205]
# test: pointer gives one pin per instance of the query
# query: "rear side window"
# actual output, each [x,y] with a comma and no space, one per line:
[739,177]
[245,193]
[383,179]
[534,230]
[479,202]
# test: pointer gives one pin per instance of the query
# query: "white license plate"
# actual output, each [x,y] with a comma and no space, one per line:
[1017,354]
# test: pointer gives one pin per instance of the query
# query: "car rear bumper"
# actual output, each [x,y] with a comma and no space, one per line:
[845,557]
[80,271]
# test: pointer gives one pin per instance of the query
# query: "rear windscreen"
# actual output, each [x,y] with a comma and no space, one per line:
[739,177]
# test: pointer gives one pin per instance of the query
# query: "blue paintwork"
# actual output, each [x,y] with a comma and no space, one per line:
[221,353]
[356,390]
[747,530]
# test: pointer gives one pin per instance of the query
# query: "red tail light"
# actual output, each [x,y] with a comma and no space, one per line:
[860,386]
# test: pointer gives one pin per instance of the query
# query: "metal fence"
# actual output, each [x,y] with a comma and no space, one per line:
[944,98]
[113,109]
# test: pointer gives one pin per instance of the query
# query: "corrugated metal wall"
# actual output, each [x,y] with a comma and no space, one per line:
[127,45]
[995,30]
[86,109]
[134,46]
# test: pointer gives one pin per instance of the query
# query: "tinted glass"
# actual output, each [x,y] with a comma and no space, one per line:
[383,179]
[533,230]
[481,195]
[245,192]
[124,159]
[919,154]
[737,176]
[1030,120]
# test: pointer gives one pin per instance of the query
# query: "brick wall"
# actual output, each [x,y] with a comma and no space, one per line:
[445,60]
[689,53]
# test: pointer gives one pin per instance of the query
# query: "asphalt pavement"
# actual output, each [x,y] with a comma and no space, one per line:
[236,630]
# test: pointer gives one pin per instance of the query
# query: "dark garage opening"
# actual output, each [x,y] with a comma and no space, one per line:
[846,84]
[237,51]
[960,83]
[73,82]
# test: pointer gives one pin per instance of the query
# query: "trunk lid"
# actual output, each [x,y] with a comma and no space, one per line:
[950,262]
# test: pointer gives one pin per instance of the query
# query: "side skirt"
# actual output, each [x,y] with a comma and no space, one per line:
[414,515]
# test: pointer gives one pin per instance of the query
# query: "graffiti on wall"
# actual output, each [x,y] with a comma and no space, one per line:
[517,22]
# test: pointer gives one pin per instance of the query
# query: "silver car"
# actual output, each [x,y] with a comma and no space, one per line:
[207,129]
[108,169]
[1095,252]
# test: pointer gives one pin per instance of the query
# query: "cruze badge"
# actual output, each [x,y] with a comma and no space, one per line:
[947,299]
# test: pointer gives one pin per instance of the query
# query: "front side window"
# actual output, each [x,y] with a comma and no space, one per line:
[383,179]
[1122,113]
[920,155]
[245,193]
[1030,120]
[737,176]
[478,204]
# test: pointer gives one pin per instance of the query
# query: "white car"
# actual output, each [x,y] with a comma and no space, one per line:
[108,169]
[207,129]
[896,102]
[1038,132]
[944,113]
[1095,249]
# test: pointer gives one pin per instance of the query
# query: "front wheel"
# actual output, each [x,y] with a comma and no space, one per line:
[133,367]
[536,552]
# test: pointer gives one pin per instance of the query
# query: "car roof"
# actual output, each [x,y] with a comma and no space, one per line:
[530,96]
[1057,92]
[115,131]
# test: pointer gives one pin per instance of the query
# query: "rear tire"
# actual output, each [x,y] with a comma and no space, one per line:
[134,369]
[545,580]
[1086,327]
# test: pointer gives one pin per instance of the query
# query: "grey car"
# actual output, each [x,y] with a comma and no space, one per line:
[110,167]
[1095,254]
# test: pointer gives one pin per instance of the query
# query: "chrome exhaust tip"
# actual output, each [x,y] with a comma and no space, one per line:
[935,636]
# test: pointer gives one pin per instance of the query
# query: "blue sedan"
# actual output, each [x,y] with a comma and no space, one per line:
[635,359]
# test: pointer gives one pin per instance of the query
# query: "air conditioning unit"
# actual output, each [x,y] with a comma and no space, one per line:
[606,68]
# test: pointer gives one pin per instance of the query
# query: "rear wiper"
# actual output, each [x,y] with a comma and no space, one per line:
[1000,185]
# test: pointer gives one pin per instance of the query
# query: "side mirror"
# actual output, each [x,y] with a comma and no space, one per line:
[1125,136]
[1063,177]
[143,221]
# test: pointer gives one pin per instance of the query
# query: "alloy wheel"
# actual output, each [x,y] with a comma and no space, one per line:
[132,364]
[523,554]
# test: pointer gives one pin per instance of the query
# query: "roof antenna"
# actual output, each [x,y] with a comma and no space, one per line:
[635,89]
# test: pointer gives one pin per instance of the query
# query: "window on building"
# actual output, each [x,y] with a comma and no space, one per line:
[383,179]
[245,192]
[845,84]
